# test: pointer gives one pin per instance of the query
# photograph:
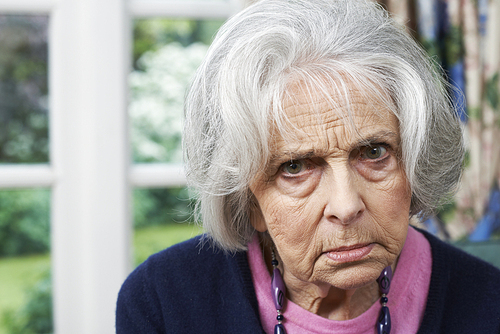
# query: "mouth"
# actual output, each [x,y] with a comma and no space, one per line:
[350,253]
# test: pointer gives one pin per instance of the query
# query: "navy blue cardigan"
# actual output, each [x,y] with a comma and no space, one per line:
[191,289]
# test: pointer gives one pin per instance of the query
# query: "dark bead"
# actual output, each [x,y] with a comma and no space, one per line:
[384,300]
[384,280]
[280,317]
[278,289]
[384,321]
[279,329]
[274,263]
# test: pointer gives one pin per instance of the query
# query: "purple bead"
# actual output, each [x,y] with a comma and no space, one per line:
[384,300]
[279,329]
[384,280]
[384,321]
[278,289]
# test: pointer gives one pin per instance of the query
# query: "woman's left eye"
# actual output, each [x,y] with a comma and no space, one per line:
[293,167]
[374,152]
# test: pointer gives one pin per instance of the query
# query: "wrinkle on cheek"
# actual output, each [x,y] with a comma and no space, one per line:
[293,233]
[286,218]
[390,190]
[391,237]
[394,188]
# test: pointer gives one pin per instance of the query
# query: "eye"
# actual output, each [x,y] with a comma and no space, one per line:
[293,167]
[374,152]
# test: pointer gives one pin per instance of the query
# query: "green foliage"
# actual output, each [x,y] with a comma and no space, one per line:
[157,99]
[152,34]
[161,206]
[467,159]
[17,274]
[166,54]
[24,222]
[432,49]
[493,92]
[23,89]
[475,113]
[446,213]
[453,45]
[35,317]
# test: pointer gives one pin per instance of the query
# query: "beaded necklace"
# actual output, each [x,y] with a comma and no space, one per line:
[278,291]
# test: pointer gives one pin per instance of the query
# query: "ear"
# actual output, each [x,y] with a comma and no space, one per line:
[256,217]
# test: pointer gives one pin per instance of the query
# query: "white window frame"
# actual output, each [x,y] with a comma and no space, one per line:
[90,174]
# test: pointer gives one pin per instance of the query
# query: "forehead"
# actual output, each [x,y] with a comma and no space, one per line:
[332,119]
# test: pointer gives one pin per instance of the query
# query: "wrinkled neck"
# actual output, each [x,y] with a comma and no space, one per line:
[331,302]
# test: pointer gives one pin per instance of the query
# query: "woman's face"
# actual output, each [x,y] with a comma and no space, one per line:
[335,201]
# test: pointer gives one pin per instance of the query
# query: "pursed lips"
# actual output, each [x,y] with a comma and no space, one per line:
[348,248]
[350,253]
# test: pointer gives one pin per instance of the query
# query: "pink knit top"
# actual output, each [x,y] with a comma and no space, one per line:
[407,298]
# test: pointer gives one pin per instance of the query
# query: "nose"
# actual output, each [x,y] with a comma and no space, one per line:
[344,201]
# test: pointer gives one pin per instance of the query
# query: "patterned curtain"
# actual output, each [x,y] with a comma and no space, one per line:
[464,36]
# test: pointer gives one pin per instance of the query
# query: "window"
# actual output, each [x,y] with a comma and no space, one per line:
[24,213]
[166,52]
[88,164]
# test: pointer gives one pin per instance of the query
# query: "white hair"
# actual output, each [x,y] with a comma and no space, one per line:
[237,94]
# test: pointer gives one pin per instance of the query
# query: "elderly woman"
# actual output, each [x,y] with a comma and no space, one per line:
[314,131]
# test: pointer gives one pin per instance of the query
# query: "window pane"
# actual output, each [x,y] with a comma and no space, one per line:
[162,217]
[23,89]
[166,55]
[25,285]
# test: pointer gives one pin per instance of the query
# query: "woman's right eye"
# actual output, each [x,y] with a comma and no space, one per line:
[293,167]
[374,152]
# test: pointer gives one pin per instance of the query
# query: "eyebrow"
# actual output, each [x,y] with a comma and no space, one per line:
[371,139]
[375,138]
[297,155]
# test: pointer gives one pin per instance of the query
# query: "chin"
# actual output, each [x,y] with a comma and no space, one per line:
[352,276]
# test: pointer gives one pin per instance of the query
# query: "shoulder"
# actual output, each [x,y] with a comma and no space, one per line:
[187,286]
[184,259]
[189,266]
[459,262]
[464,294]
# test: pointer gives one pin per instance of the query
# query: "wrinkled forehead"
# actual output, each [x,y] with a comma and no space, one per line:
[334,103]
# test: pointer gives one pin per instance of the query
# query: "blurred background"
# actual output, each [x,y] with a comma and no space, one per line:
[91,104]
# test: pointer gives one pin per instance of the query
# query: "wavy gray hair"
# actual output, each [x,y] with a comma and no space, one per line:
[236,98]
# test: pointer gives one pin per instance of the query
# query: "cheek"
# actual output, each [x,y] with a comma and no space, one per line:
[288,218]
[293,229]
[400,197]
[291,223]
[389,206]
[285,203]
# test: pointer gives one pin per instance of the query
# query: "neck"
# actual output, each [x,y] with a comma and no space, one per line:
[330,302]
